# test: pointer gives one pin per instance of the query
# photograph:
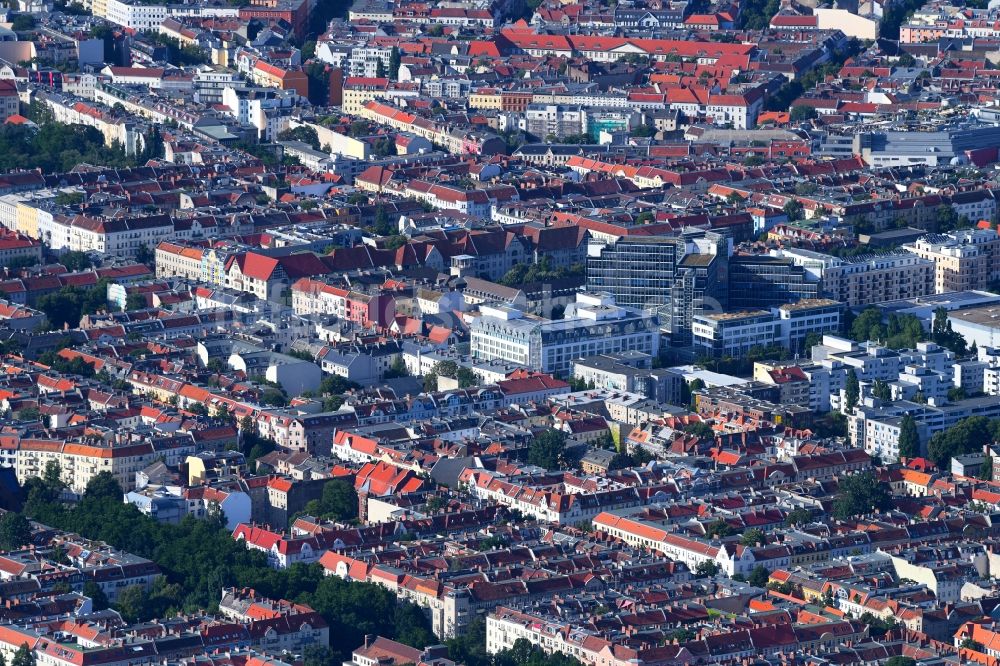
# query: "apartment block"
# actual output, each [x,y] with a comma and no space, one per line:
[963,260]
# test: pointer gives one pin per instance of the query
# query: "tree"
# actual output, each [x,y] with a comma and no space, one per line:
[104,485]
[430,382]
[620,461]
[942,333]
[319,82]
[303,133]
[881,390]
[812,339]
[153,145]
[900,661]
[336,385]
[877,627]
[135,301]
[852,391]
[144,255]
[696,384]
[318,655]
[466,378]
[23,657]
[758,576]
[394,62]
[396,369]
[798,516]
[15,531]
[719,529]
[967,436]
[96,595]
[273,396]
[644,131]
[802,112]
[446,369]
[76,261]
[524,653]
[52,477]
[909,438]
[701,430]
[339,502]
[945,219]
[861,494]
[23,23]
[469,646]
[131,602]
[548,449]
[793,209]
[706,569]
[753,537]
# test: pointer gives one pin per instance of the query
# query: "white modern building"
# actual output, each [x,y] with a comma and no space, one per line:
[597,326]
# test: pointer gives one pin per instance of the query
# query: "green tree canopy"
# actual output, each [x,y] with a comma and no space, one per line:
[96,594]
[15,531]
[104,485]
[967,436]
[909,438]
[339,502]
[759,576]
[548,449]
[860,494]
[23,657]
[852,390]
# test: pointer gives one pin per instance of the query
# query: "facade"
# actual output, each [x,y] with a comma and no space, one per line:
[875,279]
[733,334]
[879,429]
[10,102]
[599,326]
[544,120]
[762,281]
[679,277]
[963,260]
[79,463]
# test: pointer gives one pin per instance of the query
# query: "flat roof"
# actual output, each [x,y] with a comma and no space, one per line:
[986,315]
[810,303]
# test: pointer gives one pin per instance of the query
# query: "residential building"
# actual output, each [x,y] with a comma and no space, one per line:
[963,260]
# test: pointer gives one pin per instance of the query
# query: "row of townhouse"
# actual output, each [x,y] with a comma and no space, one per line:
[456,140]
[311,296]
[34,215]
[358,91]
[561,507]
[264,276]
[312,433]
[283,549]
[474,202]
[505,626]
[733,559]
[517,390]
[79,462]
[453,606]
[115,129]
